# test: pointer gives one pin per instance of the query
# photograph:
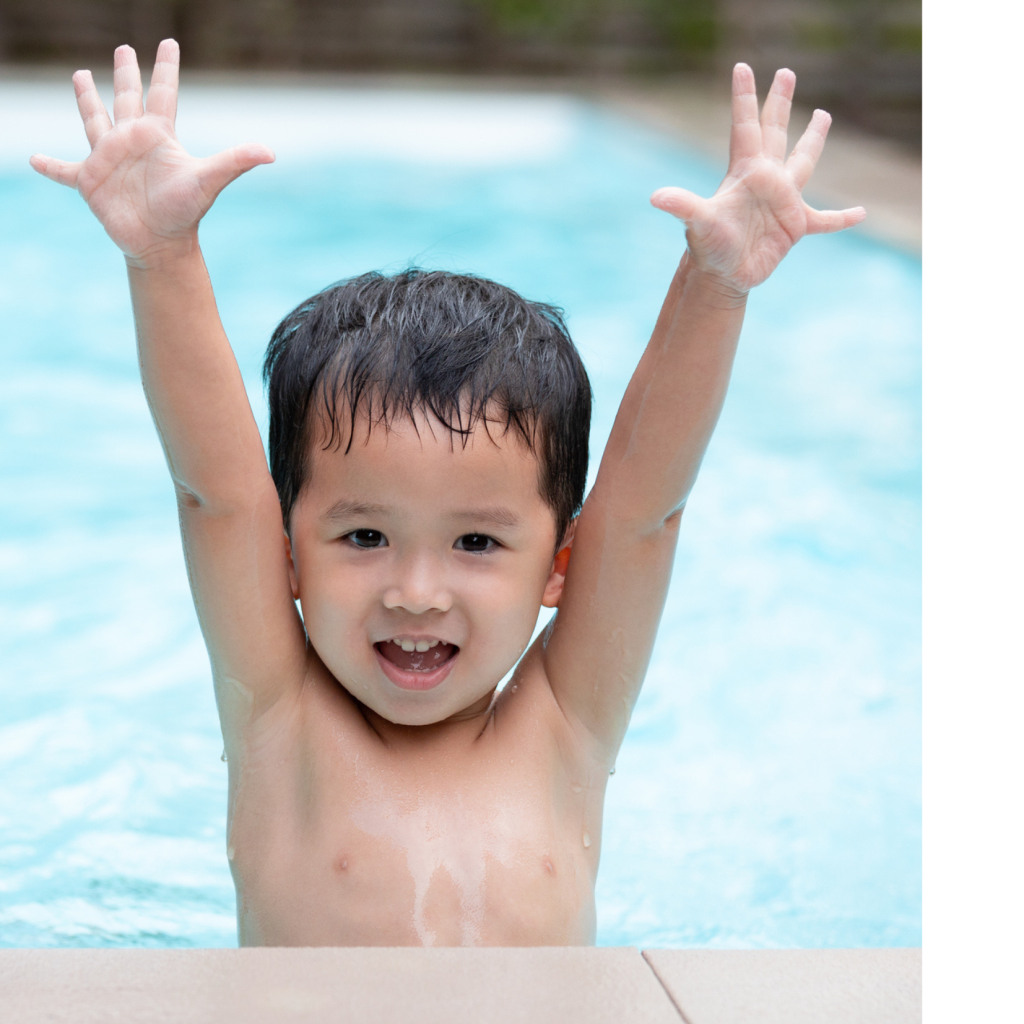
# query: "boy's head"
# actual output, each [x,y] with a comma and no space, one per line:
[404,409]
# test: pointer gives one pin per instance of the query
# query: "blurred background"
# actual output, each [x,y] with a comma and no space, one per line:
[861,59]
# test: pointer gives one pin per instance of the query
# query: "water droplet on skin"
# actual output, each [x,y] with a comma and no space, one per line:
[612,772]
[586,838]
[223,755]
[515,686]
[511,760]
[231,853]
[577,789]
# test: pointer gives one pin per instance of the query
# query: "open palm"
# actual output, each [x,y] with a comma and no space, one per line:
[145,189]
[758,213]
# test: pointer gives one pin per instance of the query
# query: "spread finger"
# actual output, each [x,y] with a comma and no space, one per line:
[745,140]
[127,85]
[95,119]
[163,86]
[804,157]
[775,115]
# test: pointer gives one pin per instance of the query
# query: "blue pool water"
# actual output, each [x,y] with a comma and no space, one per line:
[768,793]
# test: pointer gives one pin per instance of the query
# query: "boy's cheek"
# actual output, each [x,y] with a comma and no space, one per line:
[335,615]
[505,618]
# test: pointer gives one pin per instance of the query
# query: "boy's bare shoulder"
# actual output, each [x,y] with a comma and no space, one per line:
[530,699]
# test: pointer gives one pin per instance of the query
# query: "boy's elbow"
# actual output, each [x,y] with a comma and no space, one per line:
[646,521]
[662,522]
[222,500]
[188,500]
[674,518]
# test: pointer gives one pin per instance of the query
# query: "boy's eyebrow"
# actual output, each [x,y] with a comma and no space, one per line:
[499,515]
[346,509]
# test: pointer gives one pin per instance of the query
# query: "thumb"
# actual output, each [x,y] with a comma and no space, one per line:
[61,171]
[824,221]
[216,172]
[680,203]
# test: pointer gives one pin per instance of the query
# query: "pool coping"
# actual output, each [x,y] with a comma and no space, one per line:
[537,985]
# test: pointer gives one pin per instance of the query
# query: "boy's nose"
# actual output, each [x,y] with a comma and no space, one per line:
[419,589]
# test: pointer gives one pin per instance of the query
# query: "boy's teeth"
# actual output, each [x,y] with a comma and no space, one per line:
[416,645]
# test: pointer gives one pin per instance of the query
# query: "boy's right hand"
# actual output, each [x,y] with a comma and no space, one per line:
[144,188]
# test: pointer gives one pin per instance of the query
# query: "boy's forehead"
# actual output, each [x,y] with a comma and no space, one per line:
[420,455]
[405,433]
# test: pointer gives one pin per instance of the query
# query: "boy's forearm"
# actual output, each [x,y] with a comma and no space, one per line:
[673,401]
[193,384]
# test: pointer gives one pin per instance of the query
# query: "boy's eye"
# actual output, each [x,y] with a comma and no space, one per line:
[474,542]
[367,538]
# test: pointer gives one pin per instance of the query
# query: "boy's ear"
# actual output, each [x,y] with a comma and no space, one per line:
[556,579]
[293,576]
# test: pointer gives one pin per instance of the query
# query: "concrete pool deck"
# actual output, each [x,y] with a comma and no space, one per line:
[452,986]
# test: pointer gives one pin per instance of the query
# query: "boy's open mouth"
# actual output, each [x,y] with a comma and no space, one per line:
[416,669]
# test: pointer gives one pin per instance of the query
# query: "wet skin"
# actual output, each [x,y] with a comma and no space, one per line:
[365,812]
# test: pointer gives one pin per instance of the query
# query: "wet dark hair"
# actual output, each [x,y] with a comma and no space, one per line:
[461,348]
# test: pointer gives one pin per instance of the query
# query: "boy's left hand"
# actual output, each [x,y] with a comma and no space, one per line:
[741,233]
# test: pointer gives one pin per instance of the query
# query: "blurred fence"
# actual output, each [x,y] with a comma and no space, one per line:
[862,58]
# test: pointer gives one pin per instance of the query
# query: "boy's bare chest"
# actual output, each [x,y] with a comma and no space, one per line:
[495,844]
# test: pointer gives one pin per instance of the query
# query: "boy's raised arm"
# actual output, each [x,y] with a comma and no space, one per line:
[150,195]
[625,538]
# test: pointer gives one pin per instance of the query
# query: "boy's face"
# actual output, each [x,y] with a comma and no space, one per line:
[410,537]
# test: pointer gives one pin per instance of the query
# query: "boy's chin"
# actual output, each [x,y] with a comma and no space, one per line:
[427,707]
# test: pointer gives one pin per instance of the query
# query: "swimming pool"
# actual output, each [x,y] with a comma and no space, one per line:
[768,793]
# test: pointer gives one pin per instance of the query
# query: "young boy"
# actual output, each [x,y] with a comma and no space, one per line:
[428,449]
